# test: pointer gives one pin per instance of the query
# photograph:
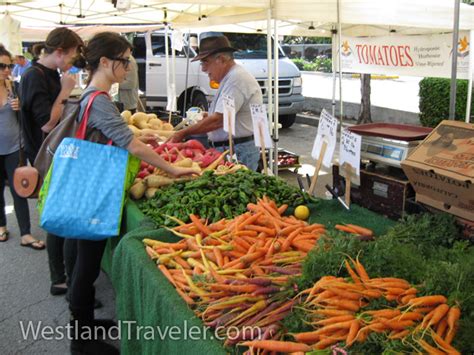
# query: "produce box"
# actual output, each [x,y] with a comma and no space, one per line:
[287,159]
[378,192]
[441,169]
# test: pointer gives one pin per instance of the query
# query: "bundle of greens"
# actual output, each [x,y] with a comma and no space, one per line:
[214,197]
[427,250]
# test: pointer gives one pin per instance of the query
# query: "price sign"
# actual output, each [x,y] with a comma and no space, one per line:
[350,150]
[327,132]
[229,113]
[171,104]
[260,126]
[177,40]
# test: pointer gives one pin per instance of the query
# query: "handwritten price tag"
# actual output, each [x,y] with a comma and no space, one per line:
[260,126]
[229,113]
[177,40]
[350,150]
[327,131]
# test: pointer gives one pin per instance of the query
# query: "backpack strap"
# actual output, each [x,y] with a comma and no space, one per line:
[81,131]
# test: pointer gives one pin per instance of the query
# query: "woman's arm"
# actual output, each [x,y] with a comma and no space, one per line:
[145,153]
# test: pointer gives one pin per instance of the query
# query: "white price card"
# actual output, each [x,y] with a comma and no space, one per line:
[260,126]
[229,113]
[171,104]
[327,131]
[177,40]
[350,150]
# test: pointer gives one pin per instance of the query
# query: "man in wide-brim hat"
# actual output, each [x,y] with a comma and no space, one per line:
[217,60]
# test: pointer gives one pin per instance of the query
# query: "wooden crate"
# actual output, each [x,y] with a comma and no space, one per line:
[378,191]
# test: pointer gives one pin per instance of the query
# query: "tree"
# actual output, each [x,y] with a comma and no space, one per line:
[364,113]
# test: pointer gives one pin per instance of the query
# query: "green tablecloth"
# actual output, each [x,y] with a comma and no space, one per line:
[144,295]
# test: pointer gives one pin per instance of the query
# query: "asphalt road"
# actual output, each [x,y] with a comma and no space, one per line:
[24,273]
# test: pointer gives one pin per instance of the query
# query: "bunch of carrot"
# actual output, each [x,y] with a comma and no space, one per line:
[233,272]
[361,232]
[340,312]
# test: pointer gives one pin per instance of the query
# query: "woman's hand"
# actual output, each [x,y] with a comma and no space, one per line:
[15,104]
[178,171]
[145,138]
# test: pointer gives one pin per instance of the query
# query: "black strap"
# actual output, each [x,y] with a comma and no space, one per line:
[234,140]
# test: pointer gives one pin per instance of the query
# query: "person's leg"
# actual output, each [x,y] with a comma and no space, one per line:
[82,292]
[3,217]
[86,271]
[55,248]
[70,254]
[21,204]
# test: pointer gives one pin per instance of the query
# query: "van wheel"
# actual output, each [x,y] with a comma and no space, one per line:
[287,121]
[199,100]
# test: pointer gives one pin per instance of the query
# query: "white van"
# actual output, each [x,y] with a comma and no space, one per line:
[192,83]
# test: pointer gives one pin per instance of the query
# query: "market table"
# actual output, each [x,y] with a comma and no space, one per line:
[143,294]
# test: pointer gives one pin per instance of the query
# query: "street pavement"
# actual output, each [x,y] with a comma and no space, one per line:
[25,297]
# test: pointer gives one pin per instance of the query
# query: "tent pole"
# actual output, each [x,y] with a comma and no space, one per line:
[276,59]
[173,72]
[471,74]
[454,63]
[339,30]
[269,75]
[334,64]
[167,63]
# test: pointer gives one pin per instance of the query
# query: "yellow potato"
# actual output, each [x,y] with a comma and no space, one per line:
[139,117]
[167,127]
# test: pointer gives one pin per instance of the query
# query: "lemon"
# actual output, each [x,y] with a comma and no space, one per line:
[302,212]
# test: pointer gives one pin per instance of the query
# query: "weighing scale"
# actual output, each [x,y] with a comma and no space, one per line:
[389,143]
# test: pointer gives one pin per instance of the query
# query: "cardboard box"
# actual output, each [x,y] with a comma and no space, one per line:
[441,169]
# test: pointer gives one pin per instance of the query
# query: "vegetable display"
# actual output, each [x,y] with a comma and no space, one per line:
[235,273]
[214,197]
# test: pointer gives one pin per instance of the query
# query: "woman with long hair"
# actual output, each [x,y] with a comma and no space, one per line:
[108,61]
[42,94]
[10,155]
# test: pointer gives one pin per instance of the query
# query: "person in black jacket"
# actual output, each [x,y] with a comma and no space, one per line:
[42,95]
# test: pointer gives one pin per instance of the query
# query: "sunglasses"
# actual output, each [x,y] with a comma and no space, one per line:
[4,66]
[125,61]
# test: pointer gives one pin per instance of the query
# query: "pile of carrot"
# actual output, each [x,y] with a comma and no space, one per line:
[235,273]
[340,312]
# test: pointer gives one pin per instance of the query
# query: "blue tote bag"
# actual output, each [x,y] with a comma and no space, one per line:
[84,191]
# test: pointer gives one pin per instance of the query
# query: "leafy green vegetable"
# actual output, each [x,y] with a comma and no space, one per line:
[215,197]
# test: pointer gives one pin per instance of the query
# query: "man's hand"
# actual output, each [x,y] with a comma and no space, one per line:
[177,137]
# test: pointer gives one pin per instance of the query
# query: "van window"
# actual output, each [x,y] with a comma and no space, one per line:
[158,46]
[250,46]
[139,47]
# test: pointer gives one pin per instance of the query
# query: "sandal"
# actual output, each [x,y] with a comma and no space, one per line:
[4,236]
[35,244]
